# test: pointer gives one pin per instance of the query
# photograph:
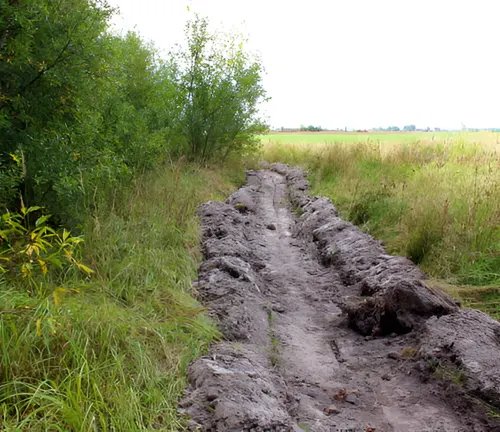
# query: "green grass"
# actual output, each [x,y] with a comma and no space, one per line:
[111,354]
[492,139]
[436,202]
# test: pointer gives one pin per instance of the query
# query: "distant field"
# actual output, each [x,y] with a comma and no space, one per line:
[487,138]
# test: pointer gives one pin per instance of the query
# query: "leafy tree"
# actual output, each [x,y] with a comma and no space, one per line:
[311,128]
[50,54]
[82,109]
[409,128]
[220,90]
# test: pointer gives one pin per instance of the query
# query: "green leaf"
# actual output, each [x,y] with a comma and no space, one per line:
[54,260]
[30,209]
[42,220]
[84,268]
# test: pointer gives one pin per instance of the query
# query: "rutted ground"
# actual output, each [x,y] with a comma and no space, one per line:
[326,332]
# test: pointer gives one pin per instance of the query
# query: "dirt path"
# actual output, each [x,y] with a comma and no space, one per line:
[290,361]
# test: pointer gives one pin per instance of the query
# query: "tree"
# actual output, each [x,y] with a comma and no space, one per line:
[311,128]
[409,128]
[220,92]
[79,107]
[51,53]
[83,109]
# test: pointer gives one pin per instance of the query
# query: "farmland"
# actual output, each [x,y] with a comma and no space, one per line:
[433,197]
[490,139]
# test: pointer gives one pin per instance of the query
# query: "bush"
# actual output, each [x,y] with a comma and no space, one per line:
[110,352]
[221,89]
[30,250]
[82,108]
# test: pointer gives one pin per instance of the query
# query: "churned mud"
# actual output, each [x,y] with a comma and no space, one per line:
[323,331]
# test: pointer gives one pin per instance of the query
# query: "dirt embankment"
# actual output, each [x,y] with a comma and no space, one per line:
[323,331]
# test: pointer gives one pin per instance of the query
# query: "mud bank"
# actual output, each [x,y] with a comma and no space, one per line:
[324,331]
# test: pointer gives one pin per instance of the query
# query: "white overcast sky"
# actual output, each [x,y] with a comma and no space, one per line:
[355,63]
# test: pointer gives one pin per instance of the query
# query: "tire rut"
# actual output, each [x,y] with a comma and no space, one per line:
[292,360]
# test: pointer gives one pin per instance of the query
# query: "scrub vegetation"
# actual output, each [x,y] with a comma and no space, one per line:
[106,150]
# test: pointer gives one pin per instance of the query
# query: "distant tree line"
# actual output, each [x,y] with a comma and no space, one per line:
[310,128]
[406,128]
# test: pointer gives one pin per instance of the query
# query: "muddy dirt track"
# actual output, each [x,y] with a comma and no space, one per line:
[323,331]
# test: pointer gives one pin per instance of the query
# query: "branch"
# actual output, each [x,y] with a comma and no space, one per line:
[3,39]
[58,59]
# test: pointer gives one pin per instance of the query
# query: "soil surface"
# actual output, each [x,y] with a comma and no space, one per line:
[323,331]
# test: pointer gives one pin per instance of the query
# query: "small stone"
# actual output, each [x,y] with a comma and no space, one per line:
[332,409]
[351,399]
[212,393]
[271,227]
[386,377]
[368,338]
[193,426]
[393,355]
[278,308]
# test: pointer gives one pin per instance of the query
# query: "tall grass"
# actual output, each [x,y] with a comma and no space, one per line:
[437,203]
[110,353]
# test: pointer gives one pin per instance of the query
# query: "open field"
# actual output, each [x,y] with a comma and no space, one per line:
[436,202]
[489,139]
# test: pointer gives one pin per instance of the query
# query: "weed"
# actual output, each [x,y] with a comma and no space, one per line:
[299,211]
[408,352]
[451,374]
[274,351]
[274,347]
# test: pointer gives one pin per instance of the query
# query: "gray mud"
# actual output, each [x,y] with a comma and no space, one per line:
[324,331]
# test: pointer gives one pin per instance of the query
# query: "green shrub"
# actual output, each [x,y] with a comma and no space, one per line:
[29,250]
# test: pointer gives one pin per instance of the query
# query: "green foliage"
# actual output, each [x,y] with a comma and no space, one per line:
[311,128]
[29,250]
[90,123]
[83,108]
[51,54]
[221,90]
[110,352]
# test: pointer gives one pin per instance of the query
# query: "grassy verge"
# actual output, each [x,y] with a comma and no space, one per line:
[437,203]
[110,352]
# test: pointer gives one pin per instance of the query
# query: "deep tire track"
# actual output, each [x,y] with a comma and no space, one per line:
[290,361]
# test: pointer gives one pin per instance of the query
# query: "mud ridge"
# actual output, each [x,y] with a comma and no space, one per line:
[324,331]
